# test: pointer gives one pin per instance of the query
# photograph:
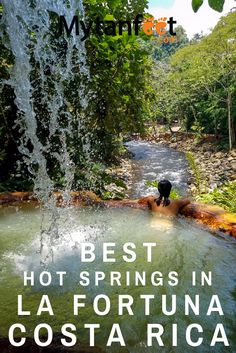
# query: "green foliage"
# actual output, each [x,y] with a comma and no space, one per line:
[196,4]
[224,197]
[217,5]
[11,177]
[114,188]
[174,194]
[196,171]
[164,50]
[214,4]
[153,183]
[16,183]
[193,86]
[121,95]
[120,77]
[198,86]
[112,195]
[95,178]
[198,129]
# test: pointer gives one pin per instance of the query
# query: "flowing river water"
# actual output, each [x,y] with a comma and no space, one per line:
[155,162]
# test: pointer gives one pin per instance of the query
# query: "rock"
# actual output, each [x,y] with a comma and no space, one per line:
[193,189]
[212,216]
[233,153]
[207,155]
[174,145]
[216,167]
[219,155]
[217,163]
[231,158]
[80,197]
[233,166]
[9,197]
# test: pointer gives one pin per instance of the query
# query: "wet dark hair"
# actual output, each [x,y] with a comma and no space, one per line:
[164,188]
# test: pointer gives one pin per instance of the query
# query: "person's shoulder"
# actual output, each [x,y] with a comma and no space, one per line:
[182,202]
[146,199]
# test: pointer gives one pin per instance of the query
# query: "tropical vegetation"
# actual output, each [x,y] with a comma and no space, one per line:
[133,81]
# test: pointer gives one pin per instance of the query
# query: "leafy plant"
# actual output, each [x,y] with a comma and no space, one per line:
[196,171]
[112,195]
[202,78]
[198,130]
[216,5]
[153,183]
[224,197]
[120,94]
[174,194]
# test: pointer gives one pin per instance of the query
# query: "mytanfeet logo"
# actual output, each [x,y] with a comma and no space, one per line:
[161,28]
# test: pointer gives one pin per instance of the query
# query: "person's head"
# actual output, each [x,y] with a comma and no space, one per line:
[164,188]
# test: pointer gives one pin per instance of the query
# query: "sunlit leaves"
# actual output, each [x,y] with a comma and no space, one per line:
[216,5]
[196,87]
[196,4]
[120,68]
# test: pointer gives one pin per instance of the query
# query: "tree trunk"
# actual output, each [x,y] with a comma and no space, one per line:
[230,128]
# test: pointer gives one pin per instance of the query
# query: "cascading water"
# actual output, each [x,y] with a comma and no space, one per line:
[44,66]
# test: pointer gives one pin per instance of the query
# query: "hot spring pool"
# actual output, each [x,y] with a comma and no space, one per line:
[180,247]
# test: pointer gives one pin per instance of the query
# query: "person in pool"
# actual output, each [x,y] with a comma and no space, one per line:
[162,204]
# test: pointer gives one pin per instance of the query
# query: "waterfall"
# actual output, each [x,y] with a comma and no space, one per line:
[44,67]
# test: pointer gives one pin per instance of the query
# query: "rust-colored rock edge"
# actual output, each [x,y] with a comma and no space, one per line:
[213,217]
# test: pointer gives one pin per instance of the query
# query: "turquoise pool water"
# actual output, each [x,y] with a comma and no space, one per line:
[179,247]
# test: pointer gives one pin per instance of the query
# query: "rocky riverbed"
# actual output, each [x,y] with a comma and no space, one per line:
[216,167]
[123,172]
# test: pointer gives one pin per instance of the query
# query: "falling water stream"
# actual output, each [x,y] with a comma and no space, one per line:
[44,65]
[34,46]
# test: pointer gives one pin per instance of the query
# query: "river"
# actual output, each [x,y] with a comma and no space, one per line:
[155,162]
